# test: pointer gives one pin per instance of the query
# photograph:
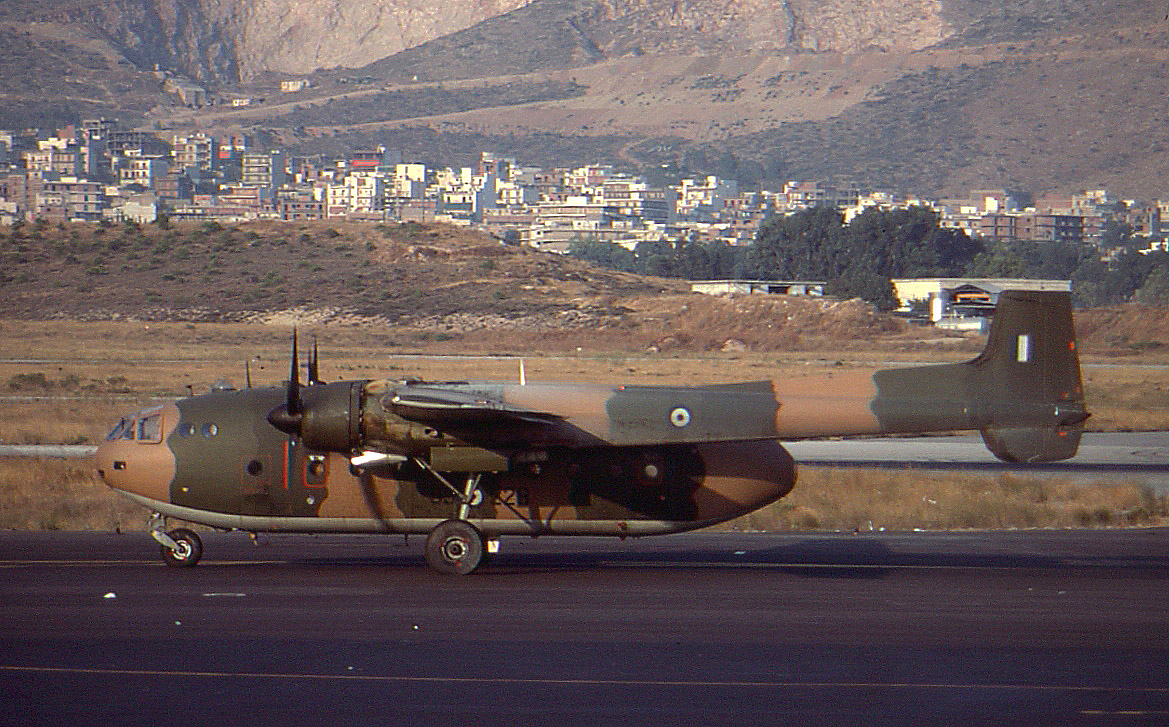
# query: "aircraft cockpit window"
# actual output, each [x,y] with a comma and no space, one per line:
[210,430]
[150,428]
[124,430]
[188,430]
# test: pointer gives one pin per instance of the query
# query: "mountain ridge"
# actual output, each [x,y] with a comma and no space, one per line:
[928,96]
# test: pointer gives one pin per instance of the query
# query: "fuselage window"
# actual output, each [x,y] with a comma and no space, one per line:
[210,430]
[188,430]
[150,428]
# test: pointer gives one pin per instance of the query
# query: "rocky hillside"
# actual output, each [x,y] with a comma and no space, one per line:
[435,284]
[547,34]
[232,40]
[928,96]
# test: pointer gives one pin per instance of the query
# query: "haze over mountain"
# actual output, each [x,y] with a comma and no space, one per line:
[934,96]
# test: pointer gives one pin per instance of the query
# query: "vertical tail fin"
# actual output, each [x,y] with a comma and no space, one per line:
[1030,395]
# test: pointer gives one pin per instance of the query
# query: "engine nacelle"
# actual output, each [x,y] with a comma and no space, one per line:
[331,416]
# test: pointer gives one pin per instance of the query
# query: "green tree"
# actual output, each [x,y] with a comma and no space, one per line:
[809,245]
[1155,291]
[860,259]
[607,254]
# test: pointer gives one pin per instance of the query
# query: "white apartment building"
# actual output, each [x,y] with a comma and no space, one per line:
[358,192]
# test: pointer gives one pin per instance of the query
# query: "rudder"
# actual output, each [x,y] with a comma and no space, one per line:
[1030,392]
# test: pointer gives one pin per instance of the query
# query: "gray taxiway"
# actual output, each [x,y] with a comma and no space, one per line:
[1025,627]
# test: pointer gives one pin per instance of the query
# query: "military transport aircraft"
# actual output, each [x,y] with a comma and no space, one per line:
[468,462]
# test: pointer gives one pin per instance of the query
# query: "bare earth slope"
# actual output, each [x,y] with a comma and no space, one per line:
[440,283]
[431,282]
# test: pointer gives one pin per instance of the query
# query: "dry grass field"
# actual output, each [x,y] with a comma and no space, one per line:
[66,382]
[863,499]
[58,494]
[99,321]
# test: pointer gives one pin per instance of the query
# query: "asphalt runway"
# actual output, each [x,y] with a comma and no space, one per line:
[1011,628]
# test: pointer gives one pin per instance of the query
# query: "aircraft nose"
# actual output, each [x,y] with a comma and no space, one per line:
[104,458]
[136,459]
[117,463]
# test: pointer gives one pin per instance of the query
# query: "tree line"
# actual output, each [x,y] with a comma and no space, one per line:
[861,258]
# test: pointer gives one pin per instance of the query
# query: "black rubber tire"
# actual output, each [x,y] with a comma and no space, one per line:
[189,552]
[454,548]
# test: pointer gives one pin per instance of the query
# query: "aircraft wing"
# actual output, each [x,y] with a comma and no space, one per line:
[445,406]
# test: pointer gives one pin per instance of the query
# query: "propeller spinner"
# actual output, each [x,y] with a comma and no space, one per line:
[326,417]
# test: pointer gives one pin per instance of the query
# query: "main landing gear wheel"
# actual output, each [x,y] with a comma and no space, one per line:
[455,547]
[189,551]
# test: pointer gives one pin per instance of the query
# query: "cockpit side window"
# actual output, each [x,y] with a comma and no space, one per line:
[124,430]
[150,428]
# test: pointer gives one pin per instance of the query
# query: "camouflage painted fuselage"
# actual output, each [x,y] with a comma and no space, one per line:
[597,470]
[386,456]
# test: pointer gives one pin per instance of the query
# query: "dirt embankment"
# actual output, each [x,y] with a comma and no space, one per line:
[438,283]
[1130,328]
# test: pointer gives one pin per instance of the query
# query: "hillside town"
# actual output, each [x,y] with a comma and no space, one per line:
[98,171]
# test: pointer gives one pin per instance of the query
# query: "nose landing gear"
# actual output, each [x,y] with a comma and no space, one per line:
[187,551]
[181,548]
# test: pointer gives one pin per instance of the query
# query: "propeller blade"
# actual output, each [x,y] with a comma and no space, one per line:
[294,380]
[288,417]
[313,377]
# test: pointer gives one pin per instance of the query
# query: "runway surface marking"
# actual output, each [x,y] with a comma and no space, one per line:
[17,564]
[125,563]
[578,682]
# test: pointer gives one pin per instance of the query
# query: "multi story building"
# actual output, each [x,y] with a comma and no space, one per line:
[264,169]
[379,159]
[173,187]
[366,191]
[196,151]
[137,168]
[301,206]
[64,160]
[408,182]
[1066,229]
[1002,227]
[499,166]
[70,198]
[701,200]
[632,197]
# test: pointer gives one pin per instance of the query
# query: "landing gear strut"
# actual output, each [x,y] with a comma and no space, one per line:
[455,546]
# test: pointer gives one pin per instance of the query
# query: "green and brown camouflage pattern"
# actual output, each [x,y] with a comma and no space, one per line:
[575,459]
